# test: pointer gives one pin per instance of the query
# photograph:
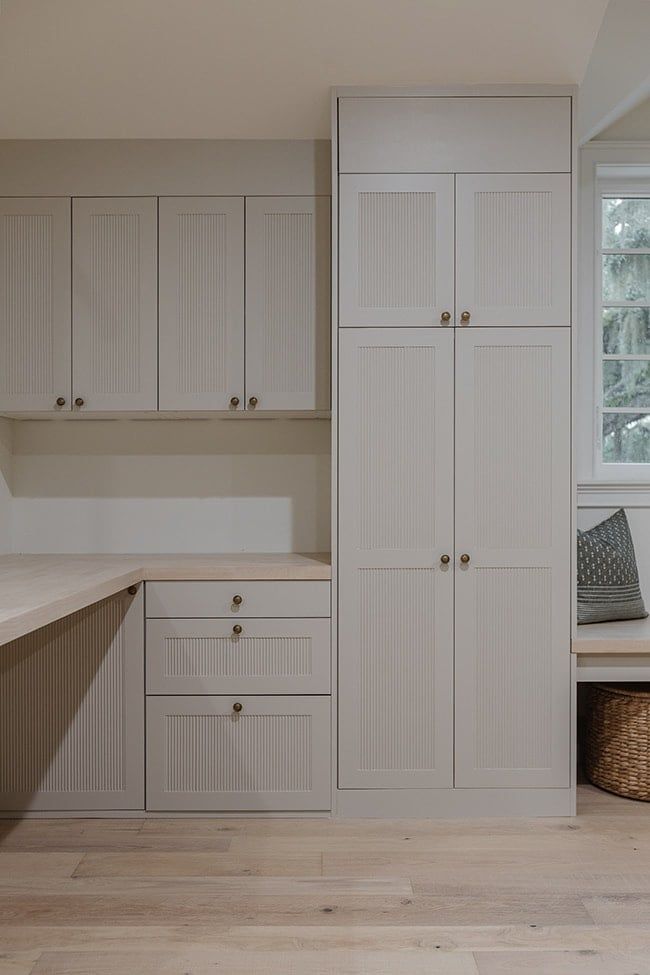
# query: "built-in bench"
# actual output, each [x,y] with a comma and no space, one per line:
[612,651]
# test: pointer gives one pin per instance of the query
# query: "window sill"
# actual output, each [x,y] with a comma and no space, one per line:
[610,494]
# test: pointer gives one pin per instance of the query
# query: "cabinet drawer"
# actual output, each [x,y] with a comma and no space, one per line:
[273,754]
[268,657]
[217,599]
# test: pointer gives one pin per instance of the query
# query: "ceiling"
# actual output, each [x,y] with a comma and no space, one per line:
[261,68]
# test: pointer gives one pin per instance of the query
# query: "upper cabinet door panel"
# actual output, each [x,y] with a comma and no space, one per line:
[455,135]
[201,302]
[34,304]
[396,250]
[288,302]
[513,249]
[114,326]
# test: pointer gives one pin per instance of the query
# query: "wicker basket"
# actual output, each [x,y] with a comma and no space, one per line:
[617,743]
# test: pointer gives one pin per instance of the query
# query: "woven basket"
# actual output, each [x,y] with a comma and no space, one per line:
[617,744]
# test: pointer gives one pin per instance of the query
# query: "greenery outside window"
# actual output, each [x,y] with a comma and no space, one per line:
[624,349]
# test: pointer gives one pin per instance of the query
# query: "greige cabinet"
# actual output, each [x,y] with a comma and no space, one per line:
[35,326]
[72,712]
[114,304]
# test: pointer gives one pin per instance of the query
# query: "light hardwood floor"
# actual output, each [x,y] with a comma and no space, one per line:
[318,897]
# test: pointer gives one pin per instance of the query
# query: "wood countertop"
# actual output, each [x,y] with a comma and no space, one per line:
[38,589]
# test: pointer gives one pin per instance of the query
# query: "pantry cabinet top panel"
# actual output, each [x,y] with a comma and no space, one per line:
[509,134]
[38,589]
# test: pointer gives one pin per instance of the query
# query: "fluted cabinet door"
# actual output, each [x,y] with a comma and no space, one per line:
[513,249]
[72,711]
[396,249]
[201,303]
[114,305]
[395,652]
[513,520]
[35,304]
[288,302]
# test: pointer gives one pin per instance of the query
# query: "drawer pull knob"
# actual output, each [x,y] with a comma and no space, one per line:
[236,629]
[445,318]
[237,600]
[237,707]
[465,318]
[132,590]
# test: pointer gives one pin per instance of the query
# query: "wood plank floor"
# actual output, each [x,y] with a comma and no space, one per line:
[320,897]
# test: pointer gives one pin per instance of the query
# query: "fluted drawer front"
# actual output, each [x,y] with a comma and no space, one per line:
[210,657]
[246,753]
[183,600]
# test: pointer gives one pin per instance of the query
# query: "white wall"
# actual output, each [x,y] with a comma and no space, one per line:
[633,127]
[261,69]
[171,485]
[5,485]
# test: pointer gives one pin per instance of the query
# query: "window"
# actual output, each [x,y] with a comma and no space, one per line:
[624,344]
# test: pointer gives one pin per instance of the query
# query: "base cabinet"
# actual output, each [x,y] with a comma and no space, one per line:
[244,753]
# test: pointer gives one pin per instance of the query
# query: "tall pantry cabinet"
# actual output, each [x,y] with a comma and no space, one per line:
[453,473]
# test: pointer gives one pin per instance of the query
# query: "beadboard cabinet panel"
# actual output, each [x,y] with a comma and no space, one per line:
[250,656]
[115,308]
[201,289]
[513,519]
[35,326]
[72,712]
[244,753]
[396,241]
[288,302]
[513,249]
[396,457]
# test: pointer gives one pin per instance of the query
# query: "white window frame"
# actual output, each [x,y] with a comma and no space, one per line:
[612,187]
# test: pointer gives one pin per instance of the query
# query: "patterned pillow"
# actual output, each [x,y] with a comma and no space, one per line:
[608,579]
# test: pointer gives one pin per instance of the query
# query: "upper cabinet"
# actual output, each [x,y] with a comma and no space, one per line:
[513,249]
[35,304]
[287,303]
[485,134]
[114,307]
[201,303]
[396,250]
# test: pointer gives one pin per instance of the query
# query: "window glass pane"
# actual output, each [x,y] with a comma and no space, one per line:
[626,277]
[626,331]
[626,438]
[626,383]
[626,223]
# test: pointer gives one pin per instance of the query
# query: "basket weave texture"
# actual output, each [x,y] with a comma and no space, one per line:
[617,748]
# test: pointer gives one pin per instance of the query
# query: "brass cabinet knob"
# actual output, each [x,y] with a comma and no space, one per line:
[465,317]
[237,707]
[464,558]
[444,559]
[234,401]
[238,600]
[236,629]
[60,401]
[132,590]
[78,401]
[445,317]
[252,402]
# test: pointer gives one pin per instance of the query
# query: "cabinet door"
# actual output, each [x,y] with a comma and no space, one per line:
[288,302]
[513,249]
[114,304]
[513,501]
[72,711]
[34,304]
[396,447]
[396,244]
[201,303]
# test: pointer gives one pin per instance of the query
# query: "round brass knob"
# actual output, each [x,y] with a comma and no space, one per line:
[236,629]
[445,317]
[252,402]
[237,707]
[464,558]
[132,590]
[465,317]
[234,401]
[60,401]
[444,559]
[78,401]
[238,600]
